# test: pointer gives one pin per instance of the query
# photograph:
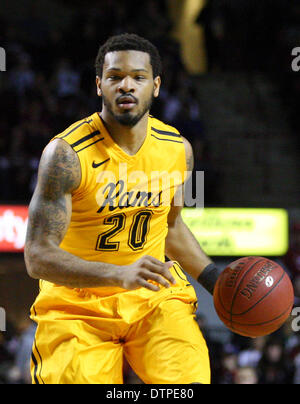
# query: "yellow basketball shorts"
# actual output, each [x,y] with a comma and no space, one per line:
[84,343]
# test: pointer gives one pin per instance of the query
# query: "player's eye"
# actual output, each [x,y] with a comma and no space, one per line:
[140,78]
[113,78]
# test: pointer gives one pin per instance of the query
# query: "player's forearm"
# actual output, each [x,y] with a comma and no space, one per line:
[182,246]
[51,263]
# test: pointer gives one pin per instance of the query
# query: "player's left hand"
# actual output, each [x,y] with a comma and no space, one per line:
[145,270]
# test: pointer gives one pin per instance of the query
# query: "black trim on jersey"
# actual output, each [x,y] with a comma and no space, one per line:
[174,266]
[166,140]
[76,127]
[166,133]
[34,358]
[85,138]
[35,368]
[99,140]
[40,356]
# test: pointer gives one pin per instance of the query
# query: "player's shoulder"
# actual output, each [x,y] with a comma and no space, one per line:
[163,131]
[160,127]
[59,165]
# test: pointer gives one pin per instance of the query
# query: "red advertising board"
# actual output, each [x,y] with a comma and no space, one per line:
[13,225]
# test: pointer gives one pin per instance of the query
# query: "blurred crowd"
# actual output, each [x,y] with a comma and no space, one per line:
[273,359]
[256,36]
[50,82]
[50,78]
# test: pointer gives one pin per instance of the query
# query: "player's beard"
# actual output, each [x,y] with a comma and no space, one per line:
[128,118]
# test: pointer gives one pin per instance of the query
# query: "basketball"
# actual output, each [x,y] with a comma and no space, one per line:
[253,296]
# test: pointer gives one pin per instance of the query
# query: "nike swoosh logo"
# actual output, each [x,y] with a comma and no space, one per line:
[100,164]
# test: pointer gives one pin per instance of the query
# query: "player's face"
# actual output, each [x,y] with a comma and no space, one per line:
[127,86]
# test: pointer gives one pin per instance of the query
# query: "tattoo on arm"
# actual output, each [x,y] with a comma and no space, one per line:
[50,208]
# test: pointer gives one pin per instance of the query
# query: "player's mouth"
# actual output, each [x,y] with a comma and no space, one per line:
[126,102]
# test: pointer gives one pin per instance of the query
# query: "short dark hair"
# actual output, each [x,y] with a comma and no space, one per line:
[129,42]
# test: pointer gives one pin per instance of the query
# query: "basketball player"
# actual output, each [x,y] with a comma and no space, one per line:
[97,240]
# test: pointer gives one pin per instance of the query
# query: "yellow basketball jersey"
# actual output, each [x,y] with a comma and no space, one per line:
[120,210]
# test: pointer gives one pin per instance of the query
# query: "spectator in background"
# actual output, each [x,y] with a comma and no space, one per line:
[66,80]
[292,258]
[274,366]
[250,357]
[28,141]
[6,359]
[228,368]
[8,342]
[245,375]
[19,373]
[296,379]
[22,77]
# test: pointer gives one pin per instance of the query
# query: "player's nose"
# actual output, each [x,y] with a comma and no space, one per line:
[126,85]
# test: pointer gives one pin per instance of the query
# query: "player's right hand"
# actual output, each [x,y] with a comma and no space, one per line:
[145,270]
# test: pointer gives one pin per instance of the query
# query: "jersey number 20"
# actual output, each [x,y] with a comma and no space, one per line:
[138,232]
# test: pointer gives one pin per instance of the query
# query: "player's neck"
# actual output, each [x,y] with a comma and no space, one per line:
[130,139]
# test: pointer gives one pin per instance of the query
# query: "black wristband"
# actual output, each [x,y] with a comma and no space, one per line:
[208,277]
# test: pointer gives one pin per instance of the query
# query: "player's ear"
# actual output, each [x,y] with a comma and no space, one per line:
[157,83]
[98,85]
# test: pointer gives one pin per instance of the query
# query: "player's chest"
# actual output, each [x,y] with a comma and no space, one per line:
[120,185]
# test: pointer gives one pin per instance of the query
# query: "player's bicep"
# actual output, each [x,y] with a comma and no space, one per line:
[48,220]
[51,206]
